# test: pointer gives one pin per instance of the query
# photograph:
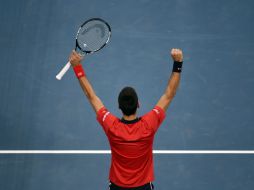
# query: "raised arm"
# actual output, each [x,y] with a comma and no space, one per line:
[174,80]
[75,60]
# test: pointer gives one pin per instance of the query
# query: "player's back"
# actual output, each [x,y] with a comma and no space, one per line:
[131,144]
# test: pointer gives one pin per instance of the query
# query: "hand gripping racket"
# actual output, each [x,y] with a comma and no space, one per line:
[92,36]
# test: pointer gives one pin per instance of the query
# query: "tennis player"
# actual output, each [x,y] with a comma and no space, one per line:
[131,137]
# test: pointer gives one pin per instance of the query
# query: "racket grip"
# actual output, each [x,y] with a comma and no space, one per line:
[63,71]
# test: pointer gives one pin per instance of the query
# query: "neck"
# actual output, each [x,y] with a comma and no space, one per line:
[130,117]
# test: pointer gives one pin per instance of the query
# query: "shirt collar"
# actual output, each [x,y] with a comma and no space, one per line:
[130,121]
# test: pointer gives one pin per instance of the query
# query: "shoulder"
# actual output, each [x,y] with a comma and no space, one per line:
[154,117]
[156,112]
[104,115]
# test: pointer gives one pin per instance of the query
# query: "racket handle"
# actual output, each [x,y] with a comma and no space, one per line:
[63,71]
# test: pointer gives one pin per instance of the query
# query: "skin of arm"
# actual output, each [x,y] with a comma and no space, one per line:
[75,59]
[173,82]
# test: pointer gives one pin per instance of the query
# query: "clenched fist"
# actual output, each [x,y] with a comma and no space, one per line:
[177,55]
[75,58]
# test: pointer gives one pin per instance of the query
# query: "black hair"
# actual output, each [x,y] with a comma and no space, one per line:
[128,101]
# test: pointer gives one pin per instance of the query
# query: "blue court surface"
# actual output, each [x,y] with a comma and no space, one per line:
[213,108]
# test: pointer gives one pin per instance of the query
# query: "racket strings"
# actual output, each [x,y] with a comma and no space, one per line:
[93,35]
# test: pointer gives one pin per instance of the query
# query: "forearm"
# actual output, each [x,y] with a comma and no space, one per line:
[173,81]
[90,93]
[172,86]
[170,91]
[87,88]
[75,60]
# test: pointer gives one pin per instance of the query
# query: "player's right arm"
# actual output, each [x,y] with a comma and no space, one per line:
[173,82]
[75,60]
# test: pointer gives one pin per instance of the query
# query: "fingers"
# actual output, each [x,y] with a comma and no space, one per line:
[75,58]
[177,54]
[76,55]
[176,51]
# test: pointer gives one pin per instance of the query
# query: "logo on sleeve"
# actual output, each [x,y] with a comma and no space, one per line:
[104,117]
[156,111]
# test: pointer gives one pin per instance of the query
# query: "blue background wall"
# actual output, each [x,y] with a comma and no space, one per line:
[213,108]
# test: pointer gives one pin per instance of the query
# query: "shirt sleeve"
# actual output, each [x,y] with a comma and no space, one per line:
[105,118]
[155,117]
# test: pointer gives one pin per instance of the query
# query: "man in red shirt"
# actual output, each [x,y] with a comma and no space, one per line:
[131,137]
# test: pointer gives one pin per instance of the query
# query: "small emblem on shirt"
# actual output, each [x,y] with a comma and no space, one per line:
[156,111]
[104,117]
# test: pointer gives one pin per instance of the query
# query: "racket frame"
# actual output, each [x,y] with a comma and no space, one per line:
[92,19]
[68,65]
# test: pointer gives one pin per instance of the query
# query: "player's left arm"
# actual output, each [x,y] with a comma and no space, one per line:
[75,60]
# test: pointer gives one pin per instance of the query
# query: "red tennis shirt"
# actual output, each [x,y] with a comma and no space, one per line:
[131,145]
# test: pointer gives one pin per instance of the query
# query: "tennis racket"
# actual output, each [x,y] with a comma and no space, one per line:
[92,36]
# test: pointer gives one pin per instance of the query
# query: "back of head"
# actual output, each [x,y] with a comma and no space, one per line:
[128,101]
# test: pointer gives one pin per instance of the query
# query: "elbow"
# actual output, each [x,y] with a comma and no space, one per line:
[90,96]
[170,95]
